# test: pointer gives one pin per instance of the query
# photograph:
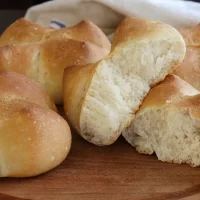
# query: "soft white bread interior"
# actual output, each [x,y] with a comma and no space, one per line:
[189,69]
[168,123]
[33,138]
[42,53]
[101,99]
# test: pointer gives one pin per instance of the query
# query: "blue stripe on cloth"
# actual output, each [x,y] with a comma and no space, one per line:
[59,24]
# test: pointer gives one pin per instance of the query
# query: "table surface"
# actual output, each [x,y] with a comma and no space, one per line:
[115,172]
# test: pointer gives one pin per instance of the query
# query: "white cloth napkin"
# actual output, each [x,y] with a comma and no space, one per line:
[108,13]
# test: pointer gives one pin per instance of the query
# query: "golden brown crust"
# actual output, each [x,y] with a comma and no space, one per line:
[23,31]
[73,53]
[15,86]
[20,59]
[85,31]
[191,36]
[172,89]
[189,69]
[34,139]
[191,103]
[132,29]
[137,28]
[173,93]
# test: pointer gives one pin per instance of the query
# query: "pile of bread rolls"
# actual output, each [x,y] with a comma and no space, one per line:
[107,90]
[42,53]
[34,137]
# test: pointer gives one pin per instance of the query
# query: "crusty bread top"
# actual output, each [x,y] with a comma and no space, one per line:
[84,31]
[136,28]
[172,89]
[191,35]
[174,92]
[14,86]
[23,31]
[33,139]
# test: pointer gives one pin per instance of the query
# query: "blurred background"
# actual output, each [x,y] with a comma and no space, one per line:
[10,10]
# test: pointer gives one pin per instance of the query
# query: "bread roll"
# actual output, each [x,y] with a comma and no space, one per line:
[23,31]
[34,139]
[168,123]
[101,99]
[42,53]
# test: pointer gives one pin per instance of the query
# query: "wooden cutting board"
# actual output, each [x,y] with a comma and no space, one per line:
[115,172]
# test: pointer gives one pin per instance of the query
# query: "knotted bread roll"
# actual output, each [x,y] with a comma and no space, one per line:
[42,53]
[101,99]
[168,123]
[33,138]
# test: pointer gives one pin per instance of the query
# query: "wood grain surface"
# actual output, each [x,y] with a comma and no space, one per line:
[115,172]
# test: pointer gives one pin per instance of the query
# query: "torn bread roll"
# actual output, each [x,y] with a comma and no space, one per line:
[101,99]
[33,138]
[42,53]
[168,123]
